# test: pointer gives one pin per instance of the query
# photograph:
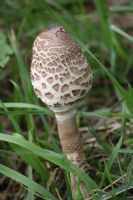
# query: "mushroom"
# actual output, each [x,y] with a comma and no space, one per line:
[61,77]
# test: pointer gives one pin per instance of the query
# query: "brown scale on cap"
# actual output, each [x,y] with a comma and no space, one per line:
[60,74]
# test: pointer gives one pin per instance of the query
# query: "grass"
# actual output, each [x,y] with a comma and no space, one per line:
[31,154]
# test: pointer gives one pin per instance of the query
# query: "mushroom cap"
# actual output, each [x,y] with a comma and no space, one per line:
[60,74]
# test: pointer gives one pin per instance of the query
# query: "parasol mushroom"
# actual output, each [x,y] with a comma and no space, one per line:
[61,77]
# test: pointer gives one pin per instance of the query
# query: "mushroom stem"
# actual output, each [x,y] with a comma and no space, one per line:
[72,147]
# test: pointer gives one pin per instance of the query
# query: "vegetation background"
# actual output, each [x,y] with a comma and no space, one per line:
[31,162]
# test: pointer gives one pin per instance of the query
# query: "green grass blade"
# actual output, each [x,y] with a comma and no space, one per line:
[107,170]
[21,67]
[112,158]
[31,159]
[13,121]
[52,157]
[128,178]
[27,106]
[121,8]
[121,32]
[33,186]
[115,152]
[116,192]
[102,11]
[125,94]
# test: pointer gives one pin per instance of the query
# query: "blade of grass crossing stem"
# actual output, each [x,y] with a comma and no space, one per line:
[34,110]
[52,157]
[33,186]
[111,159]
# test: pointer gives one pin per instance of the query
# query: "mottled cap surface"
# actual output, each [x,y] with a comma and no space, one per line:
[60,74]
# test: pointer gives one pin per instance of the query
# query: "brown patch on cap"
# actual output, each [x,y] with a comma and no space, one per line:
[76,92]
[78,81]
[85,84]
[74,70]
[37,92]
[56,87]
[36,76]
[50,79]
[62,80]
[66,75]
[65,97]
[64,87]
[49,95]
[57,105]
[31,77]
[44,74]
[56,77]
[85,75]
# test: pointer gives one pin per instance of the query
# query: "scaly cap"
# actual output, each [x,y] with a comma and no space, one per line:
[60,74]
